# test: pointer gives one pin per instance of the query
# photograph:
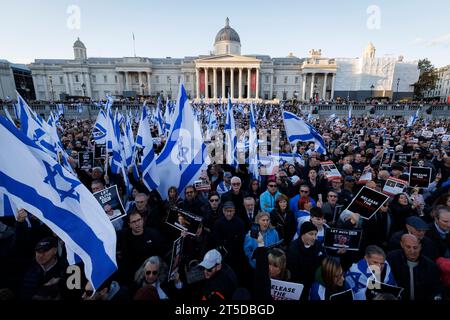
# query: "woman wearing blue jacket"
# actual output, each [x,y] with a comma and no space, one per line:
[270,236]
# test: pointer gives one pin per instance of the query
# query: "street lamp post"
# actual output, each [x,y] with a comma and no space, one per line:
[142,87]
[371,91]
[170,88]
[398,82]
[83,86]
[50,79]
[315,94]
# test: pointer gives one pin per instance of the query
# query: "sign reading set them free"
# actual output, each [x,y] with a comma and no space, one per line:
[85,160]
[419,177]
[367,202]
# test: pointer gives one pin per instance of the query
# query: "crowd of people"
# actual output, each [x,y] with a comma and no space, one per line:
[255,229]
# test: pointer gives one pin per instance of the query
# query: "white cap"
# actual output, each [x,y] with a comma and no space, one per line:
[212,258]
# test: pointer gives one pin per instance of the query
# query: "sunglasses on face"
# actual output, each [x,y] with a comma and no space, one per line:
[88,293]
[332,196]
[214,200]
[210,269]
[304,191]
[155,272]
[236,184]
[272,185]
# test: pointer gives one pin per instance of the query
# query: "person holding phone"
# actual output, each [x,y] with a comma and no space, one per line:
[263,226]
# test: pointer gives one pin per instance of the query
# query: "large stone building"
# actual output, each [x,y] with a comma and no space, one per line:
[15,77]
[225,72]
[441,91]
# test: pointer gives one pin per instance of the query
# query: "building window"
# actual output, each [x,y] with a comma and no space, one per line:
[296,80]
[187,79]
[168,79]
[266,95]
[61,80]
[179,79]
[275,80]
[105,78]
[94,78]
[115,79]
[274,95]
[267,79]
[285,80]
[76,78]
[136,79]
[157,79]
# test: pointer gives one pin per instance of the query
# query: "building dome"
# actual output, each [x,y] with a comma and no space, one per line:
[227,33]
[79,44]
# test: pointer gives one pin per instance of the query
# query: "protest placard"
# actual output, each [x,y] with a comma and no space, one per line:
[394,186]
[330,170]
[110,201]
[406,157]
[283,290]
[177,252]
[100,151]
[419,177]
[346,295]
[183,220]
[367,202]
[340,238]
[85,160]
[374,288]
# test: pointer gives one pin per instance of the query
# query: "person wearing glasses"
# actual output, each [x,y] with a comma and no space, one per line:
[304,191]
[329,280]
[329,207]
[152,281]
[220,280]
[212,211]
[191,202]
[236,195]
[268,198]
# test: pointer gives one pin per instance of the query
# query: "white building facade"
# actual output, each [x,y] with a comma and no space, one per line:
[441,91]
[224,72]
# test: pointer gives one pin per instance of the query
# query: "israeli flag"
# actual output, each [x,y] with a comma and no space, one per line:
[144,140]
[99,130]
[350,115]
[299,130]
[167,117]
[34,181]
[230,137]
[8,116]
[253,145]
[60,109]
[412,120]
[182,160]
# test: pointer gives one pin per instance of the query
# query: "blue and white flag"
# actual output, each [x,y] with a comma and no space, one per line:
[8,116]
[350,107]
[34,181]
[412,120]
[99,130]
[230,137]
[299,130]
[253,145]
[144,140]
[167,117]
[159,118]
[60,109]
[182,160]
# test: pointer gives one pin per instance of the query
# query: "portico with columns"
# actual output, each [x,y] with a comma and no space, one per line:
[220,76]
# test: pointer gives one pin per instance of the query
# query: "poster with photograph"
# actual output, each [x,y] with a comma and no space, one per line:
[374,288]
[100,151]
[183,220]
[110,201]
[404,157]
[394,186]
[367,202]
[202,186]
[177,252]
[283,290]
[419,177]
[446,137]
[339,238]
[440,130]
[85,160]
[330,170]
[427,133]
[366,175]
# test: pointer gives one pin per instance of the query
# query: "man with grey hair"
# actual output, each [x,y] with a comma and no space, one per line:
[439,231]
[250,212]
[236,195]
[414,272]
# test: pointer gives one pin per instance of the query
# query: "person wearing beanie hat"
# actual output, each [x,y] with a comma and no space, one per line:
[304,256]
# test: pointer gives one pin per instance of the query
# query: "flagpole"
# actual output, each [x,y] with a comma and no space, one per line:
[134,45]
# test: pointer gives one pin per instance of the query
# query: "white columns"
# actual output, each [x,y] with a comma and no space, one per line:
[206,83]
[311,94]
[333,76]
[197,83]
[66,82]
[223,83]
[125,77]
[257,84]
[148,84]
[87,82]
[249,80]
[305,77]
[232,82]
[215,82]
[324,93]
[240,84]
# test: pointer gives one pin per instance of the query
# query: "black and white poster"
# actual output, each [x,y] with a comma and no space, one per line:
[330,170]
[394,186]
[110,201]
[85,160]
[183,220]
[419,177]
[177,252]
[403,157]
[342,239]
[374,288]
[367,202]
[100,151]
[346,295]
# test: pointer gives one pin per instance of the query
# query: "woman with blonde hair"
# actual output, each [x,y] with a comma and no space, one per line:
[269,234]
[329,280]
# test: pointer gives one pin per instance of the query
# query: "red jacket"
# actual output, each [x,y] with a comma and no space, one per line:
[444,265]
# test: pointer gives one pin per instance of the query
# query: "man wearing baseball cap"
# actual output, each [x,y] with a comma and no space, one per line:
[418,227]
[220,281]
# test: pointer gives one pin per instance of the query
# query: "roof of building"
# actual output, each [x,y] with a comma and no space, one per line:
[227,33]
